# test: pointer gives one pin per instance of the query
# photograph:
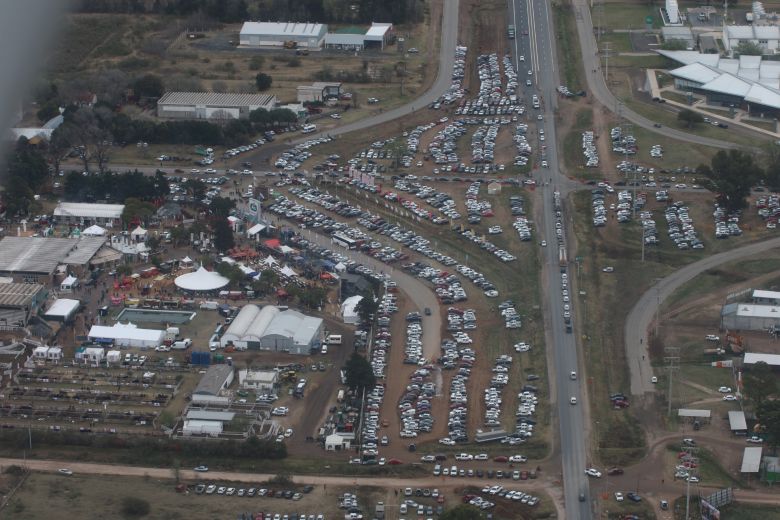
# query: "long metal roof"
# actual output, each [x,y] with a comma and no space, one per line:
[41,255]
[737,420]
[287,29]
[87,210]
[18,294]
[751,459]
[217,99]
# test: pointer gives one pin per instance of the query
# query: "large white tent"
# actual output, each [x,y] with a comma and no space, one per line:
[95,230]
[138,234]
[201,280]
[349,309]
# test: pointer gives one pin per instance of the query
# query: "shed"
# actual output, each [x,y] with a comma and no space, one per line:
[127,335]
[209,415]
[196,427]
[113,357]
[216,379]
[254,231]
[494,188]
[737,422]
[694,413]
[751,459]
[336,442]
[258,380]
[138,234]
[40,353]
[91,356]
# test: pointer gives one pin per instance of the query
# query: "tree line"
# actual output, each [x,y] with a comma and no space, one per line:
[234,11]
[115,186]
[732,174]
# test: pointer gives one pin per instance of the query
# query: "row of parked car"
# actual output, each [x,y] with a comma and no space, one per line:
[589,149]
[446,286]
[623,143]
[727,224]
[293,159]
[522,146]
[681,230]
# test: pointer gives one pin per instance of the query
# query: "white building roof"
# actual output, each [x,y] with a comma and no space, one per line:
[752,32]
[377,31]
[696,72]
[201,280]
[208,415]
[737,420]
[693,412]
[341,39]
[125,331]
[284,29]
[751,358]
[94,230]
[44,254]
[257,228]
[88,210]
[252,324]
[217,99]
[755,310]
[63,307]
[751,459]
[768,295]
[728,84]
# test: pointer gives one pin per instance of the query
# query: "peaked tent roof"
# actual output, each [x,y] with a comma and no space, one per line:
[94,230]
[201,280]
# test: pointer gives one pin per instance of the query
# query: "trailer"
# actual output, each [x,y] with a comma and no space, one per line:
[562,260]
[340,396]
[490,436]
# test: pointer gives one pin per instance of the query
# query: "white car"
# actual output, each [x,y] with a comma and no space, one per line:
[522,58]
[65,471]
[712,337]
[518,458]
[724,390]
[619,496]
[464,456]
[593,472]
[729,397]
[573,400]
[654,380]
[201,469]
[481,456]
[693,478]
[335,116]
[280,410]
[755,439]
[609,269]
[573,375]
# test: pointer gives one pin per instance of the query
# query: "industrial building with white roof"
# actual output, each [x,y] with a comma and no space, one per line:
[34,259]
[211,105]
[275,34]
[274,329]
[748,82]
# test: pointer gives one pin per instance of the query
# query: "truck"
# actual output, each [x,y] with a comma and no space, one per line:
[290,44]
[510,32]
[340,396]
[562,261]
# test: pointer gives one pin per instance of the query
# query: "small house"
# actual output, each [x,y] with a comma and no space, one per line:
[336,442]
[69,283]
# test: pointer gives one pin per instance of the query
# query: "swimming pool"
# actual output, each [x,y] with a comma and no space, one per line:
[154,316]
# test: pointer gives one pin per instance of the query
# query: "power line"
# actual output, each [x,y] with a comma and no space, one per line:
[672,358]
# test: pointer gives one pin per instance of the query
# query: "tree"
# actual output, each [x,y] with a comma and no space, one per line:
[462,512]
[196,188]
[136,208]
[263,81]
[689,117]
[149,85]
[256,63]
[760,383]
[223,235]
[179,235]
[367,307]
[221,207]
[231,272]
[768,415]
[731,175]
[135,507]
[48,111]
[772,166]
[266,283]
[360,375]
[747,48]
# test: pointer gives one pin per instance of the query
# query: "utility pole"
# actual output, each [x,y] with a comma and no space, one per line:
[672,357]
[598,14]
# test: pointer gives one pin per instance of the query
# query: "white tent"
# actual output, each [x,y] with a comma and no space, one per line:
[270,261]
[62,309]
[340,267]
[138,234]
[186,260]
[349,309]
[201,280]
[286,249]
[69,283]
[287,271]
[255,230]
[95,230]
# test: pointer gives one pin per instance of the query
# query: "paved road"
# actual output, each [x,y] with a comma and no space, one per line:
[597,86]
[534,41]
[421,295]
[643,312]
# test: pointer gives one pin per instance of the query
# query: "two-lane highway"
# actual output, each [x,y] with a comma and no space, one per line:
[534,51]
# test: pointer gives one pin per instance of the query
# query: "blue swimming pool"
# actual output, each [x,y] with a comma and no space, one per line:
[153,316]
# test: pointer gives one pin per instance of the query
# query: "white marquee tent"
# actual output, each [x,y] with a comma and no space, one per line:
[95,230]
[201,280]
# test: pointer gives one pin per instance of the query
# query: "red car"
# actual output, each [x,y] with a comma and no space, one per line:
[394,462]
[501,458]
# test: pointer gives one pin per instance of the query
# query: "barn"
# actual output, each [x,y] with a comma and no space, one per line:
[211,105]
[750,316]
[275,34]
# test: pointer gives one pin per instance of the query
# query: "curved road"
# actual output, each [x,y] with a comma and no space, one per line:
[420,294]
[643,312]
[598,86]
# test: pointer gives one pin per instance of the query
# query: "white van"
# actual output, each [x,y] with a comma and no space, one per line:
[324,349]
[333,339]
[307,129]
[182,345]
[214,343]
[211,306]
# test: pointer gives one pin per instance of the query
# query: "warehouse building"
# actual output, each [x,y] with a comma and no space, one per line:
[18,303]
[258,380]
[87,214]
[34,259]
[750,316]
[274,330]
[766,297]
[211,105]
[127,335]
[276,34]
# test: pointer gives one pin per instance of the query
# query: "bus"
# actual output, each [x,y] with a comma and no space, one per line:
[308,129]
[344,241]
